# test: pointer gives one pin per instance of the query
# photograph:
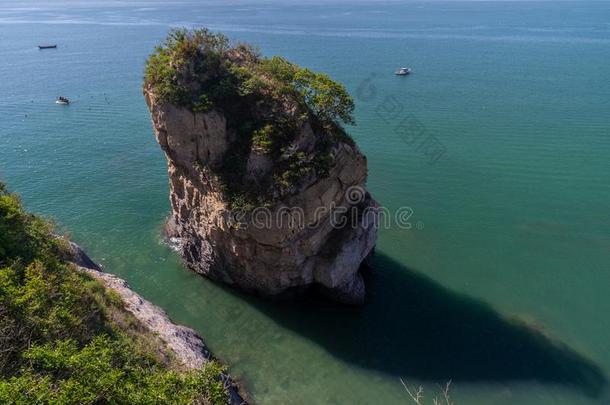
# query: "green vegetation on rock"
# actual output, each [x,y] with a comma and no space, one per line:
[66,339]
[195,64]
[262,138]
[267,102]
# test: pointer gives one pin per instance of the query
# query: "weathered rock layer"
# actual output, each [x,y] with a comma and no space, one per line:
[319,235]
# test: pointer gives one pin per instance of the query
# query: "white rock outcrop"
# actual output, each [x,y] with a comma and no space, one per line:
[184,343]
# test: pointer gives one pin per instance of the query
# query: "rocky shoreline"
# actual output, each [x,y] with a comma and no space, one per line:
[184,343]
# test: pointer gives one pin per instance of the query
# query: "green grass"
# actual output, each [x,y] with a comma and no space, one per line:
[65,339]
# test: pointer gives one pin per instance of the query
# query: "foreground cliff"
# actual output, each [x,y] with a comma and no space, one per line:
[181,345]
[266,188]
[71,334]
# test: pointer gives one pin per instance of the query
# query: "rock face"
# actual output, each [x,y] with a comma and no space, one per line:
[266,188]
[332,229]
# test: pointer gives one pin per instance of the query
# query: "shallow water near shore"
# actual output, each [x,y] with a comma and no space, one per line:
[500,284]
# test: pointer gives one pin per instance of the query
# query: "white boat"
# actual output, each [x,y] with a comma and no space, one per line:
[403,71]
[62,101]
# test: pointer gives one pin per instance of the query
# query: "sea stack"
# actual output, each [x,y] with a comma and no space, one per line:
[266,187]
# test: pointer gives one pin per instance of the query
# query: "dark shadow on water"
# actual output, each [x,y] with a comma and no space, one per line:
[413,327]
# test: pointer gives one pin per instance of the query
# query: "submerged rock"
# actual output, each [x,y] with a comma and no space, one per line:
[266,188]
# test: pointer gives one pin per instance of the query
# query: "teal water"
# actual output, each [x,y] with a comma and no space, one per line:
[512,222]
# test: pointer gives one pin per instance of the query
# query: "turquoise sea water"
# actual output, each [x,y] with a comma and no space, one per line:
[511,223]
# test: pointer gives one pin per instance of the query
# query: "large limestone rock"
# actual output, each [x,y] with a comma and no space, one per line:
[332,229]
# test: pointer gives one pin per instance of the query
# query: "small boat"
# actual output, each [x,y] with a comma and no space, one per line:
[47,46]
[403,71]
[62,101]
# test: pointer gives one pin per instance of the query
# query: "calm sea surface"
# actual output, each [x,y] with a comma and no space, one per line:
[511,226]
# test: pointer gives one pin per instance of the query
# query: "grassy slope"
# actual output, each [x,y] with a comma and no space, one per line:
[65,339]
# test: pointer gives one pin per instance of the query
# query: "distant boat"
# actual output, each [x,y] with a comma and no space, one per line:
[62,101]
[47,46]
[403,71]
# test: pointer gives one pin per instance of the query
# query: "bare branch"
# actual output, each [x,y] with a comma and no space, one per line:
[417,396]
[446,395]
[444,398]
